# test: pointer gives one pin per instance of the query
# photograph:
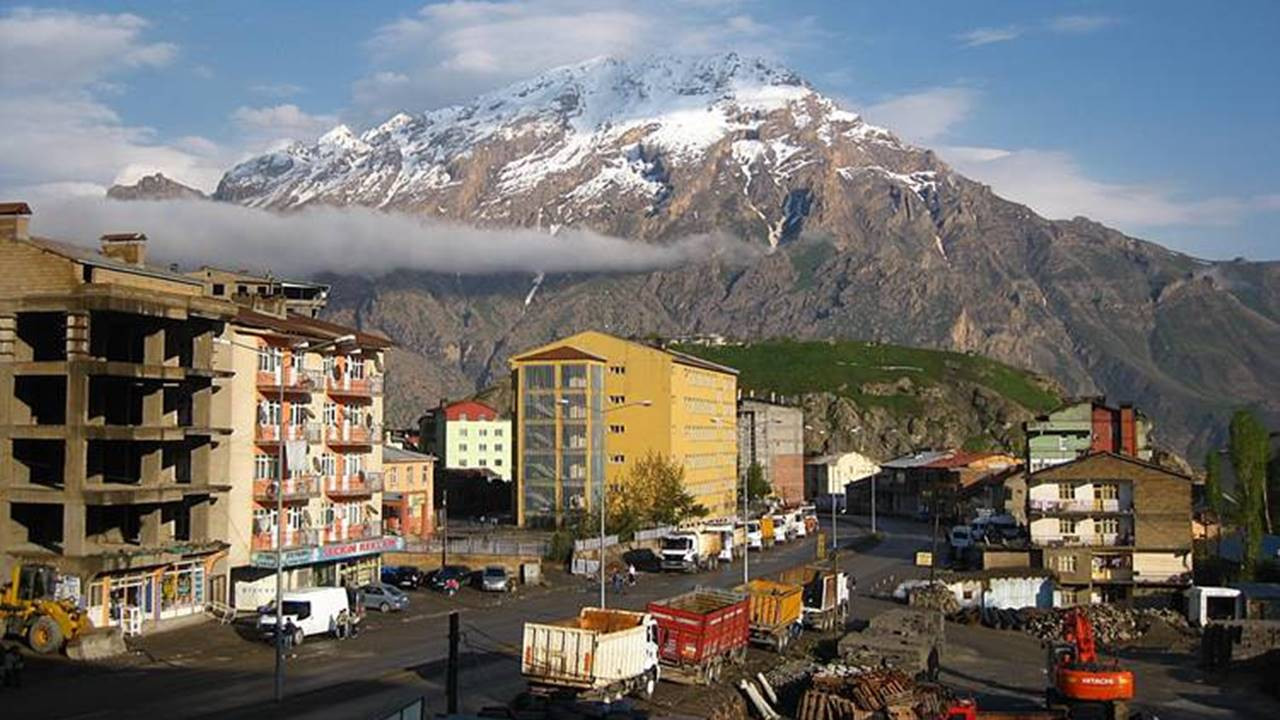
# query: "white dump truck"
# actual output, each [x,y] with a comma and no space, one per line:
[733,537]
[826,594]
[691,550]
[603,654]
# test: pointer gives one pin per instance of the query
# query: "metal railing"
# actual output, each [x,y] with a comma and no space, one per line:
[1080,506]
[298,379]
[295,488]
[347,533]
[482,546]
[270,432]
[353,434]
[363,483]
[344,385]
[266,539]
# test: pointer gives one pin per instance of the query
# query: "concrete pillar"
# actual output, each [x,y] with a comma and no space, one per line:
[8,337]
[77,336]
[152,465]
[153,531]
[74,543]
[153,346]
[7,534]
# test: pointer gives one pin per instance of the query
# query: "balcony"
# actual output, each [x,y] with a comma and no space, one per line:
[296,380]
[1122,574]
[295,488]
[1097,505]
[1107,540]
[346,533]
[270,433]
[264,538]
[353,434]
[353,386]
[363,483]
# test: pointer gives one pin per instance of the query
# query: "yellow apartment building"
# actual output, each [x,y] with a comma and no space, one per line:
[590,405]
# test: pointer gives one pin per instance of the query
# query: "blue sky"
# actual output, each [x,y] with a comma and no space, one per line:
[1158,118]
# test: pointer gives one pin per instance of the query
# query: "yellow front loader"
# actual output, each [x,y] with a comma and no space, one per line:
[28,609]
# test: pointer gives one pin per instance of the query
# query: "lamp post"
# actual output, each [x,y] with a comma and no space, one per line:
[279,488]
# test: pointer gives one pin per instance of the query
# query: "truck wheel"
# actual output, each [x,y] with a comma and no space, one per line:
[44,635]
[650,684]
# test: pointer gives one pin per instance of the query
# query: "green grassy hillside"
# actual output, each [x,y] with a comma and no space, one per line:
[871,374]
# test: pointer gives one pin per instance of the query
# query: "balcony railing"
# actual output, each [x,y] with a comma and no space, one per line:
[1097,540]
[264,538]
[353,386]
[1074,506]
[293,379]
[1112,574]
[346,533]
[270,432]
[363,483]
[295,488]
[353,434]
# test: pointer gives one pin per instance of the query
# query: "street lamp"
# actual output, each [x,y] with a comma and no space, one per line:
[279,487]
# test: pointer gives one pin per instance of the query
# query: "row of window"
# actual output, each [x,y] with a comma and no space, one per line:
[271,359]
[299,517]
[482,447]
[1101,526]
[482,462]
[299,413]
[482,432]
[1101,491]
[266,466]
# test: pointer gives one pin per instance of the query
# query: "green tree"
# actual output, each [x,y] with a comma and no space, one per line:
[652,494]
[757,486]
[1250,447]
[1213,482]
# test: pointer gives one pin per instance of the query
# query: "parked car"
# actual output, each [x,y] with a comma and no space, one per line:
[494,578]
[440,578]
[384,597]
[313,611]
[403,576]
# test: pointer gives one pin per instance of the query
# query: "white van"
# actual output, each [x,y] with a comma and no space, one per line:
[313,611]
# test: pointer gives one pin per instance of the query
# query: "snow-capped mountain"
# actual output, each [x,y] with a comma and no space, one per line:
[871,238]
[606,134]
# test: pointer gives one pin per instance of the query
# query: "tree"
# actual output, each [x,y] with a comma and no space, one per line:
[757,486]
[653,494]
[1250,447]
[1213,481]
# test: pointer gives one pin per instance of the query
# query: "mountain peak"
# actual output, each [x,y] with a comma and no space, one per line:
[155,187]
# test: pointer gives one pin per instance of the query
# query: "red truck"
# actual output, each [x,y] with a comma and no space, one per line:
[701,631]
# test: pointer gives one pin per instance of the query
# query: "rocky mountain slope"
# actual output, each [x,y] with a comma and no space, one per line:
[155,187]
[864,236]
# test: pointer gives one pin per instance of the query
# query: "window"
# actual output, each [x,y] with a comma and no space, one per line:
[462,447]
[328,464]
[497,462]
[462,432]
[617,369]
[1106,491]
[484,447]
[269,359]
[462,462]
[355,367]
[1108,526]
[327,364]
[219,289]
[354,463]
[617,459]
[1066,491]
[297,414]
[484,432]
[497,447]
[264,467]
[391,477]
[269,413]
[242,289]
[1066,526]
[497,432]
[483,462]
[617,429]
[617,399]
[330,414]
[1065,563]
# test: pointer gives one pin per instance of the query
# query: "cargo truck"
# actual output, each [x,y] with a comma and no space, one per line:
[826,594]
[733,538]
[691,550]
[775,612]
[700,632]
[783,528]
[760,533]
[600,653]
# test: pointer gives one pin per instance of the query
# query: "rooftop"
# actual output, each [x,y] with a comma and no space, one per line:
[391,453]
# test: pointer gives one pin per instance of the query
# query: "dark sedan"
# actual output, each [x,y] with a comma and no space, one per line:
[440,578]
[403,576]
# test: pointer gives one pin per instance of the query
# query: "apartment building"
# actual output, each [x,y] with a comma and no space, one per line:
[827,477]
[408,503]
[932,481]
[1113,528]
[1087,426]
[589,406]
[771,435]
[324,381]
[466,435]
[108,440]
[254,289]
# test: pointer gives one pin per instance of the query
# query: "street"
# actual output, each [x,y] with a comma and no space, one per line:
[219,671]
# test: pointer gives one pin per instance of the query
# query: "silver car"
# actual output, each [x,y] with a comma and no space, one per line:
[383,597]
[494,578]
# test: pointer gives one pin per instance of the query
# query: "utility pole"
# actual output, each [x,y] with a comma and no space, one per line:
[280,457]
[444,534]
[451,676]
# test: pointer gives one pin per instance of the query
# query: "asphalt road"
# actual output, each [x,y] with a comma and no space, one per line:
[217,671]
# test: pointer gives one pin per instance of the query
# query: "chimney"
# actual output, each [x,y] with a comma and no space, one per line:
[15,220]
[1128,431]
[126,247]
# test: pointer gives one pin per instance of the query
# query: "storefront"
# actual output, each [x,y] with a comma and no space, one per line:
[353,564]
[138,599]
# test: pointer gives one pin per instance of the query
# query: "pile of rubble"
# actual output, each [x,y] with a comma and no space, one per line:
[933,596]
[1111,625]
[853,693]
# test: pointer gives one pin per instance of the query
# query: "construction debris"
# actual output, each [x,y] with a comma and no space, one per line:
[933,596]
[849,693]
[911,641]
[1112,625]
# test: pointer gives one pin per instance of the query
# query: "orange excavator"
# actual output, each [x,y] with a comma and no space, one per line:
[1080,683]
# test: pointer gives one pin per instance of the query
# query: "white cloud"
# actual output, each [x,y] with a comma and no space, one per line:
[448,52]
[923,116]
[279,122]
[1054,185]
[1080,24]
[276,89]
[988,35]
[56,131]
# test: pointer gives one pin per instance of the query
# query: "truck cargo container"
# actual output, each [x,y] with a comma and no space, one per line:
[701,631]
[760,533]
[826,594]
[783,527]
[776,610]
[600,653]
[691,550]
[733,538]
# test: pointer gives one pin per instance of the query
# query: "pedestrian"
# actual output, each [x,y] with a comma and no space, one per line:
[617,582]
[631,574]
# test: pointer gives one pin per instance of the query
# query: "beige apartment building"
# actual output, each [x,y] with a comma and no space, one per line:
[108,440]
[325,382]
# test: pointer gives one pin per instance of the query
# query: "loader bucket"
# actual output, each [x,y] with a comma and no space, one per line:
[96,644]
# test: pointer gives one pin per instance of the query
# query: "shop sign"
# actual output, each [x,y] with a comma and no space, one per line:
[361,547]
[298,556]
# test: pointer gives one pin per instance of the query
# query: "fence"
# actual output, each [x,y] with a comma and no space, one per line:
[593,544]
[656,533]
[482,546]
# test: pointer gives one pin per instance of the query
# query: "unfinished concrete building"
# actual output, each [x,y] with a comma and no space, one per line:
[107,454]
